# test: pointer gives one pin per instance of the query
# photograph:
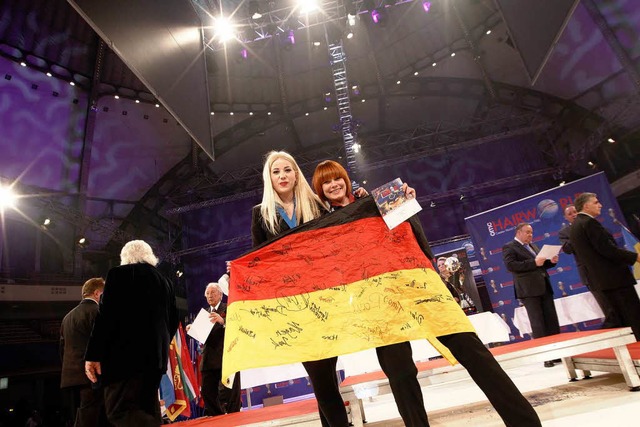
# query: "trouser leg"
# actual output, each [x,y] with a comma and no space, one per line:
[322,374]
[397,363]
[485,371]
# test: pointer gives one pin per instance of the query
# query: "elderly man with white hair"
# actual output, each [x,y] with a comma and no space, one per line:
[211,364]
[129,345]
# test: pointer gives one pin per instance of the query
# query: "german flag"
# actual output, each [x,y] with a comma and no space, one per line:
[336,285]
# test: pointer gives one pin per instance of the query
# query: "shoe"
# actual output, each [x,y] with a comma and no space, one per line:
[557,361]
[548,364]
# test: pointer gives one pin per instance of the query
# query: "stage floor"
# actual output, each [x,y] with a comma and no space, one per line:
[602,400]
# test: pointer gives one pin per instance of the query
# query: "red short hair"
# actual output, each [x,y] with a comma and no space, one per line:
[326,171]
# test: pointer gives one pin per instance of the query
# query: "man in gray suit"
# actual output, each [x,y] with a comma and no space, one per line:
[531,282]
[607,266]
[86,403]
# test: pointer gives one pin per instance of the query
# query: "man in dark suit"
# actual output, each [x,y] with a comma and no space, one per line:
[211,364]
[86,403]
[611,319]
[606,265]
[531,282]
[129,345]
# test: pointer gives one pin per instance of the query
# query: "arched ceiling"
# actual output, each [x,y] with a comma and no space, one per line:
[450,77]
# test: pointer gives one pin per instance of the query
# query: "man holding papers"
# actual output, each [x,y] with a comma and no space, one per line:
[531,282]
[211,365]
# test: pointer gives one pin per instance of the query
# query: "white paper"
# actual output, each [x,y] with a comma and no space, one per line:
[549,251]
[201,326]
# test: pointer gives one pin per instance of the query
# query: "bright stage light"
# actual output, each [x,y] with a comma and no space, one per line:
[426,5]
[8,198]
[307,6]
[224,29]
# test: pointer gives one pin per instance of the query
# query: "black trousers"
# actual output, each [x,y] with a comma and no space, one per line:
[611,318]
[209,390]
[133,402]
[396,361]
[86,406]
[322,374]
[626,304]
[542,315]
[487,373]
[230,398]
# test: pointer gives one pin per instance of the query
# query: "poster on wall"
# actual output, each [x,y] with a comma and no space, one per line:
[491,229]
[455,271]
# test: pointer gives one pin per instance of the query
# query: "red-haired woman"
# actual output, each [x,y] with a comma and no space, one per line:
[332,184]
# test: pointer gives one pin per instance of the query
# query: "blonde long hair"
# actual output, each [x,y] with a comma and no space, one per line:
[308,205]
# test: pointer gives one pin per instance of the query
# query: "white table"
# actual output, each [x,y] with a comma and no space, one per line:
[571,310]
[490,327]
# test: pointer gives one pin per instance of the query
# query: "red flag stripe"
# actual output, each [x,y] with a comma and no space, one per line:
[294,264]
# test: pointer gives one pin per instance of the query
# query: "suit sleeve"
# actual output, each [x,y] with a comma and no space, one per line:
[606,246]
[514,263]
[563,235]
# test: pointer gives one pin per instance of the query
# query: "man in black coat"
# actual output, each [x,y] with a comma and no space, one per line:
[531,281]
[606,265]
[211,364]
[86,403]
[611,319]
[129,345]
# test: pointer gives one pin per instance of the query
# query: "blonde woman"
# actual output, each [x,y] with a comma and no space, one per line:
[287,202]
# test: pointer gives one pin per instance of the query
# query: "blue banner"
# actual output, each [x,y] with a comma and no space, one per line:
[490,230]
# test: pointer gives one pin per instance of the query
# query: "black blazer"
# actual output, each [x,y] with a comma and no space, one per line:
[214,345]
[259,232]
[567,248]
[74,336]
[529,280]
[606,265]
[135,325]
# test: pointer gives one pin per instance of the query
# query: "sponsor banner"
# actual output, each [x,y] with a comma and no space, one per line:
[490,230]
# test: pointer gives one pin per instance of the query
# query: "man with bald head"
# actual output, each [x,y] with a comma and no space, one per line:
[611,319]
[607,266]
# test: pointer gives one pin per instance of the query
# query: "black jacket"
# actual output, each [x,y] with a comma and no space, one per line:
[74,336]
[137,320]
[529,280]
[214,345]
[606,265]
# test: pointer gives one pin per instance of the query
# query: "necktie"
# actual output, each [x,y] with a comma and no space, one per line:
[530,249]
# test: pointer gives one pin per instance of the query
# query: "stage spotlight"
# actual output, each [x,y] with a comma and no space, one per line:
[254,10]
[432,204]
[306,6]
[8,197]
[356,147]
[426,5]
[350,34]
[288,39]
[611,140]
[83,242]
[224,29]
[461,197]
[46,221]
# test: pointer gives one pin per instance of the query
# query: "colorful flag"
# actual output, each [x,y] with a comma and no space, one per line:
[192,390]
[166,390]
[631,243]
[181,404]
[336,285]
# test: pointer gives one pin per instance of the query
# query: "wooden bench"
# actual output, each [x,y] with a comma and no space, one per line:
[561,346]
[609,360]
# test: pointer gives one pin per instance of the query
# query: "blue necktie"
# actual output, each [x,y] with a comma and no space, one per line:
[530,249]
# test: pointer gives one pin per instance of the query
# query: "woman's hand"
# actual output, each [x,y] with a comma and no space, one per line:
[360,193]
[409,192]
